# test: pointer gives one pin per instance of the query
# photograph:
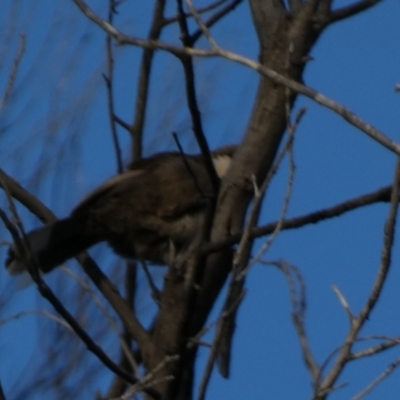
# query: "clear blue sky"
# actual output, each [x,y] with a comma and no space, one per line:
[356,62]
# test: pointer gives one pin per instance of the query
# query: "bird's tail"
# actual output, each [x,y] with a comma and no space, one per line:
[50,246]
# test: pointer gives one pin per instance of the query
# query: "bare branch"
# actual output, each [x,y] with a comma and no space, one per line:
[14,72]
[109,79]
[299,303]
[109,291]
[150,379]
[345,353]
[197,124]
[378,380]
[111,320]
[121,122]
[154,289]
[240,260]
[319,98]
[371,351]
[215,18]
[48,294]
[381,195]
[344,303]
[225,316]
[353,9]
[146,65]
[202,10]
[45,313]
[201,24]
[288,148]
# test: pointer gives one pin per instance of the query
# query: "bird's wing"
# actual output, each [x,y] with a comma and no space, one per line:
[109,187]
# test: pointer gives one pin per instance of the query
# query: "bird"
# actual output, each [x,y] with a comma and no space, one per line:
[150,213]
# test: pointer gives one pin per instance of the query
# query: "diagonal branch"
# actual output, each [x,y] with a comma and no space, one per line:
[202,10]
[215,18]
[390,369]
[353,9]
[197,124]
[14,72]
[379,196]
[279,79]
[109,79]
[109,291]
[48,294]
[136,130]
[358,322]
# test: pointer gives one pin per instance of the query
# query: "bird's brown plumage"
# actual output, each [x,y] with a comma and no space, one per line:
[156,206]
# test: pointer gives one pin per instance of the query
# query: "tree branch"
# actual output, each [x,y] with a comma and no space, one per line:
[109,79]
[279,79]
[142,95]
[48,294]
[353,9]
[202,10]
[214,19]
[381,195]
[109,291]
[14,72]
[345,353]
[197,124]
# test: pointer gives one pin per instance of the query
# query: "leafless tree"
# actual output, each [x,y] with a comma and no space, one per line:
[157,350]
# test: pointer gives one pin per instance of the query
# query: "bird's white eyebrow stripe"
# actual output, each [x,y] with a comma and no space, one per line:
[222,163]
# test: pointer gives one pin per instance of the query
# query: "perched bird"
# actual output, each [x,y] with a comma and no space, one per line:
[150,212]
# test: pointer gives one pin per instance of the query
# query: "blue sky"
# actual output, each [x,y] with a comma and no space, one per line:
[356,62]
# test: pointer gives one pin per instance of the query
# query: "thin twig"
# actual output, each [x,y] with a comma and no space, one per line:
[122,123]
[109,79]
[109,291]
[149,380]
[227,325]
[352,9]
[154,289]
[344,303]
[48,294]
[143,83]
[33,312]
[197,124]
[371,351]
[378,380]
[111,320]
[298,300]
[210,7]
[187,164]
[378,196]
[287,149]
[216,344]
[201,24]
[14,71]
[358,322]
[319,98]
[214,19]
